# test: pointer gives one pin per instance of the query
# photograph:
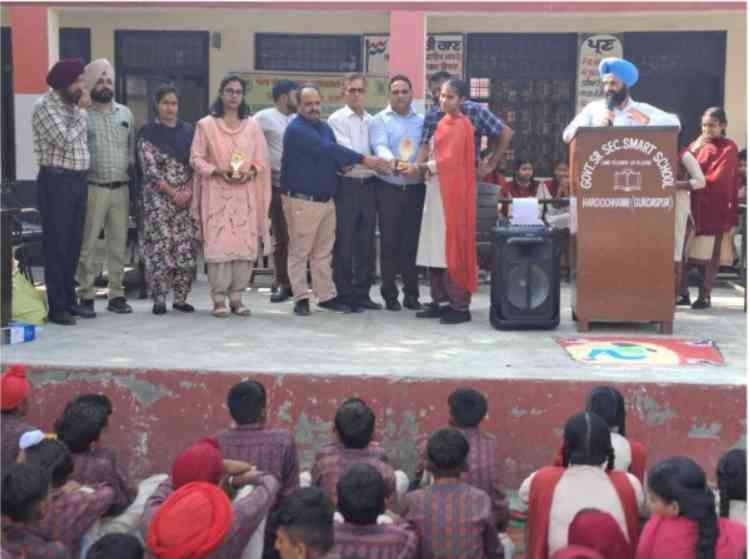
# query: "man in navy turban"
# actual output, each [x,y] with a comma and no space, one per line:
[618,108]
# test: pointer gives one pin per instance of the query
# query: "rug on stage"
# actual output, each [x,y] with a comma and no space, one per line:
[616,350]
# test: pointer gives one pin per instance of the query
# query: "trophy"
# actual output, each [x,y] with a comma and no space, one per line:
[237,160]
[406,150]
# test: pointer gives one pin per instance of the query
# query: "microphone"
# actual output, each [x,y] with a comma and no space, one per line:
[610,105]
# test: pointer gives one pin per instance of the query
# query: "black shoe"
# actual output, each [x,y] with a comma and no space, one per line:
[119,305]
[411,302]
[63,318]
[302,307]
[159,308]
[284,293]
[183,307]
[455,317]
[392,305]
[432,310]
[356,308]
[683,301]
[84,309]
[335,305]
[701,303]
[369,304]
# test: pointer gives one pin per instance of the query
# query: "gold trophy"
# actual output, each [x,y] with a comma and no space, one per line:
[237,160]
[406,150]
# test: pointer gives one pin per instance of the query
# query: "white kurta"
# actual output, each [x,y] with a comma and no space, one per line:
[431,248]
[682,203]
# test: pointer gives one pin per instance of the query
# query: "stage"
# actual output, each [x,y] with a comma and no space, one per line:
[168,376]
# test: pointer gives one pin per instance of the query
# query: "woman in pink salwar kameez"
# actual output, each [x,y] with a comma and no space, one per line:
[231,207]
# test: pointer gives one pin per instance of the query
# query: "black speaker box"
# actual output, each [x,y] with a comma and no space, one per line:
[525,279]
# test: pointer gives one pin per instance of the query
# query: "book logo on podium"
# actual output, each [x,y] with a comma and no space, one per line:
[628,180]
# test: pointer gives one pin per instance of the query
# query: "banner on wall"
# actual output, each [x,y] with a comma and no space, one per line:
[442,52]
[592,49]
[376,54]
[260,85]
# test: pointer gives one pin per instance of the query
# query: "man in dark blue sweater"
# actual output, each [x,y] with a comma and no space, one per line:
[310,164]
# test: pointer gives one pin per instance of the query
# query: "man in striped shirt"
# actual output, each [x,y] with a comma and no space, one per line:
[59,128]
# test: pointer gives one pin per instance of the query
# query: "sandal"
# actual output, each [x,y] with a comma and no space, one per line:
[220,311]
[240,310]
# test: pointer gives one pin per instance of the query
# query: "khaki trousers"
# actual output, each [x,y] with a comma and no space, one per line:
[228,279]
[108,209]
[312,234]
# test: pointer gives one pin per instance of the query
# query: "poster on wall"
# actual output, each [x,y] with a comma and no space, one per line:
[376,54]
[592,49]
[260,85]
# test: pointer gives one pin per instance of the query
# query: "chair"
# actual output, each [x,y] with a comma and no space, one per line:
[26,234]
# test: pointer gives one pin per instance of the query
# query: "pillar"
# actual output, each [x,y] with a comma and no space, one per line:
[408,39]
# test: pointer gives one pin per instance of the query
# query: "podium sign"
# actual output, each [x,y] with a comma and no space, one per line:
[623,182]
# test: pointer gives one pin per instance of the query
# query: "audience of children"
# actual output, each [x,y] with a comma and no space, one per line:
[223,493]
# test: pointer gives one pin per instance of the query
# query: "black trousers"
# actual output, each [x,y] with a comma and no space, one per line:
[62,205]
[400,215]
[353,271]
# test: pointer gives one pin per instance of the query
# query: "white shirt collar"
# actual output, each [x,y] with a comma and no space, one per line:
[412,112]
[348,113]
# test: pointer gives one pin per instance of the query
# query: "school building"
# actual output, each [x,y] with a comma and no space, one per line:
[533,63]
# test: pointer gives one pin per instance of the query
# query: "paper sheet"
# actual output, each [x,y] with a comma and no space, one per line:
[525,211]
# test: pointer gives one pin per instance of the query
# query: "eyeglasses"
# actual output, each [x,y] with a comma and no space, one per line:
[356,90]
[231,92]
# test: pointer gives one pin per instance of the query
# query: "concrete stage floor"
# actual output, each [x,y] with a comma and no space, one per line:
[374,343]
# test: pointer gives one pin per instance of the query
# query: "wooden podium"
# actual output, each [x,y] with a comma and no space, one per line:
[622,224]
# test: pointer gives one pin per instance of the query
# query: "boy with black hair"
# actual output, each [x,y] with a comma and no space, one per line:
[354,425]
[116,546]
[305,521]
[25,489]
[71,509]
[468,408]
[251,440]
[80,428]
[452,518]
[99,400]
[361,499]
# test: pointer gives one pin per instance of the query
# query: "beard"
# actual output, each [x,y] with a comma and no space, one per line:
[71,96]
[617,98]
[103,95]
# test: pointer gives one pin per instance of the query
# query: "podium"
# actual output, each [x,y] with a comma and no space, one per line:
[622,224]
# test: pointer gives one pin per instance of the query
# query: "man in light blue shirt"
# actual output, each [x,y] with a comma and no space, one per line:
[395,133]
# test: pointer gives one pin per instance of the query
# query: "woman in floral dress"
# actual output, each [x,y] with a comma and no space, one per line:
[169,240]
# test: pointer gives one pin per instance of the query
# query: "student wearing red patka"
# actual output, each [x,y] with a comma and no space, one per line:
[14,391]
[587,479]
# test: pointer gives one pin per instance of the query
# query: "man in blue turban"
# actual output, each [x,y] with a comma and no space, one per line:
[618,108]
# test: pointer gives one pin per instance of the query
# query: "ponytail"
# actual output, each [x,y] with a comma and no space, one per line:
[731,477]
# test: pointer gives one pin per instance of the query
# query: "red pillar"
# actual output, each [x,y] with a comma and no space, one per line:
[408,37]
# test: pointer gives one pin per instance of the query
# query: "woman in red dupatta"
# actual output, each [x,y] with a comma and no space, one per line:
[713,208]
[684,524]
[447,238]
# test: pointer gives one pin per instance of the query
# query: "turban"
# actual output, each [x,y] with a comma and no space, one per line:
[201,461]
[191,523]
[13,387]
[96,70]
[623,70]
[599,531]
[577,552]
[64,73]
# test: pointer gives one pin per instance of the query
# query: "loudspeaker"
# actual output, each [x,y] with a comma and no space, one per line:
[525,279]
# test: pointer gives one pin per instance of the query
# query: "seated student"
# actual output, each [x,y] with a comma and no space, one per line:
[452,518]
[731,478]
[354,425]
[683,523]
[71,509]
[587,479]
[203,462]
[305,521]
[598,532]
[556,214]
[468,408]
[361,499]
[25,488]
[80,427]
[609,404]
[116,546]
[14,392]
[193,522]
[251,440]
[523,184]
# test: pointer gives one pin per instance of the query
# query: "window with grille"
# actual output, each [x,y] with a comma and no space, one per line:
[75,42]
[528,80]
[308,53]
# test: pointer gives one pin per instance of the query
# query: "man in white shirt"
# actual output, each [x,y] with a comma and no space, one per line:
[273,121]
[355,202]
[617,108]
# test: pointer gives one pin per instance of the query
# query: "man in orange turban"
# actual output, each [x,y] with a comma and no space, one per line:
[14,390]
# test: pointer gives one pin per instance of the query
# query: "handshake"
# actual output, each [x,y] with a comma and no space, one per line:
[390,167]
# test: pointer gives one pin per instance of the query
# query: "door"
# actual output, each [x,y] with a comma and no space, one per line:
[6,102]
